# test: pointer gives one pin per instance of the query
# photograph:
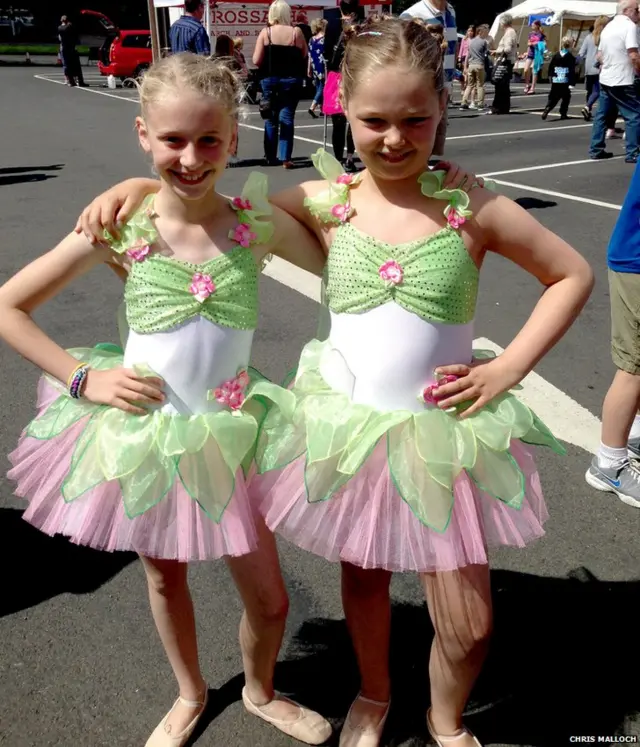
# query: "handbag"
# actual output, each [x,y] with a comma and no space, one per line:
[331,101]
[267,104]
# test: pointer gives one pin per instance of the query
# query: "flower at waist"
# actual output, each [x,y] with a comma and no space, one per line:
[201,286]
[232,392]
[429,394]
[391,272]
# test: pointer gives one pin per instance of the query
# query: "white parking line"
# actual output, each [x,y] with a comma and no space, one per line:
[295,137]
[506,133]
[546,166]
[562,195]
[567,420]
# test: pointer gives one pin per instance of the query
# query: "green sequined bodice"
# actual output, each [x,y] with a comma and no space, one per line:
[433,277]
[158,296]
[162,292]
[439,280]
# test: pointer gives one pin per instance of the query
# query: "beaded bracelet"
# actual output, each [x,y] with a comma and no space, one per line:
[76,380]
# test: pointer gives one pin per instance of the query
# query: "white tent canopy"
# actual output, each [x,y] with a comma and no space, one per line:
[557,11]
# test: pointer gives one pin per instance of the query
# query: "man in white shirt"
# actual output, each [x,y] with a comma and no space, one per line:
[440,13]
[620,63]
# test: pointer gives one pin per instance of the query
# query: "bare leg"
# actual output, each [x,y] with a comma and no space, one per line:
[619,409]
[367,608]
[172,611]
[260,584]
[461,611]
[259,581]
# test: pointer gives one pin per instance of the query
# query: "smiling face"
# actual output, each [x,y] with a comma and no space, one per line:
[189,137]
[394,113]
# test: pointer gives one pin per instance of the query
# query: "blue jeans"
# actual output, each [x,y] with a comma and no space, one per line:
[319,84]
[595,93]
[626,99]
[278,129]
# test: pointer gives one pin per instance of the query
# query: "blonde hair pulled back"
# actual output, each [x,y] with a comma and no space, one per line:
[195,73]
[384,41]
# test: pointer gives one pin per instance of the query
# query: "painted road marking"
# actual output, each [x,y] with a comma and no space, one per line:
[562,195]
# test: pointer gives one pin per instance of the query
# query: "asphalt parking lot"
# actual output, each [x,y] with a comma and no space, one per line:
[80,663]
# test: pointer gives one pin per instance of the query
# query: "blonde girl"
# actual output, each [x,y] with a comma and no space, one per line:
[145,449]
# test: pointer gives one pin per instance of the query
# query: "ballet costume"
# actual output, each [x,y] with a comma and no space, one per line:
[171,483]
[356,462]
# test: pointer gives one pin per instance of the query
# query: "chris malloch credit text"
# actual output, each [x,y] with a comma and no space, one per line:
[603,740]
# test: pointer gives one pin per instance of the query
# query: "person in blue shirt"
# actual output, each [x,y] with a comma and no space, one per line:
[188,34]
[614,469]
[562,74]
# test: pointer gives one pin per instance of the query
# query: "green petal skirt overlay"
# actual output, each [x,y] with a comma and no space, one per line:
[320,457]
[99,474]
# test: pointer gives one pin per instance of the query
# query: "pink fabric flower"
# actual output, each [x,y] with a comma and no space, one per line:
[341,212]
[244,235]
[391,272]
[231,392]
[139,253]
[243,378]
[238,203]
[455,220]
[429,394]
[201,286]
[344,179]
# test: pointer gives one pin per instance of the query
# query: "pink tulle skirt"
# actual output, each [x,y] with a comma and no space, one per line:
[176,528]
[368,524]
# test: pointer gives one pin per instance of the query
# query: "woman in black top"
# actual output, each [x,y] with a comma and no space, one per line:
[280,54]
[350,12]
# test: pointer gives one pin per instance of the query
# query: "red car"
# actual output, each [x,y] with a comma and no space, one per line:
[123,54]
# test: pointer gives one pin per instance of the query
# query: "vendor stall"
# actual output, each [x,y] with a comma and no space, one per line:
[246,19]
[559,18]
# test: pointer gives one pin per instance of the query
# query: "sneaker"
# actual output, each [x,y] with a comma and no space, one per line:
[623,481]
[602,156]
[631,159]
[473,106]
[586,113]
[613,135]
[545,113]
[464,106]
[633,449]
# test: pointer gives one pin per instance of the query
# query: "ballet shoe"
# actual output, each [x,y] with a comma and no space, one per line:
[310,727]
[357,736]
[162,738]
[444,740]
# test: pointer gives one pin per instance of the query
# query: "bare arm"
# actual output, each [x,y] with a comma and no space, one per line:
[297,244]
[567,279]
[37,283]
[292,202]
[113,208]
[635,59]
[566,276]
[258,52]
